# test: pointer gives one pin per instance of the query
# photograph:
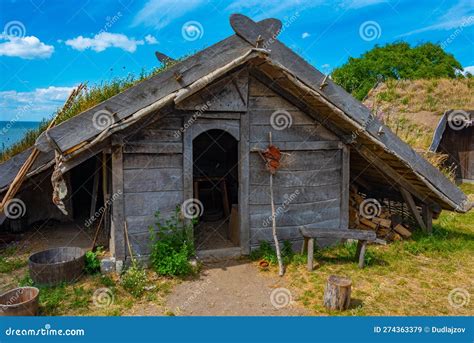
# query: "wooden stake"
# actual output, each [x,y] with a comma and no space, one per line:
[275,237]
[128,241]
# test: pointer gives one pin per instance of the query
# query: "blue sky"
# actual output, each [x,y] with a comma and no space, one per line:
[48,46]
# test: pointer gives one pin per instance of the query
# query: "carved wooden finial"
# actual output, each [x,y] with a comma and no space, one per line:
[163,58]
[258,34]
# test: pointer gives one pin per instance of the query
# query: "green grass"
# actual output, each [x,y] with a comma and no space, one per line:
[410,277]
[8,262]
[78,298]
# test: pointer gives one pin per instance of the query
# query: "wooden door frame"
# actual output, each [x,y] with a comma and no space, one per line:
[238,128]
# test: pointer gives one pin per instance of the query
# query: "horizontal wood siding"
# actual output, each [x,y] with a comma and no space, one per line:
[307,187]
[152,178]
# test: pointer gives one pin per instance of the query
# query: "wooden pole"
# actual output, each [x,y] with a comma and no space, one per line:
[275,237]
[128,241]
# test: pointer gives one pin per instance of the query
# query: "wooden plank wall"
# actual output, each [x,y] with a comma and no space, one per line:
[308,186]
[153,178]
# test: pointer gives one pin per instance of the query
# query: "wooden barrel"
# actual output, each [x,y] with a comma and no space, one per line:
[21,301]
[54,266]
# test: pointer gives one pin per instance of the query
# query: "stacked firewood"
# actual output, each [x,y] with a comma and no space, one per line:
[370,214]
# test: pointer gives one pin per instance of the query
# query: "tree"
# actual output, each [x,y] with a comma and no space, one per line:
[395,61]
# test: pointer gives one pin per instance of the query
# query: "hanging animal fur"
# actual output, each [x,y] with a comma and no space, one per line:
[59,185]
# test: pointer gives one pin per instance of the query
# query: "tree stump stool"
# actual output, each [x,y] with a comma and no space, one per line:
[337,295]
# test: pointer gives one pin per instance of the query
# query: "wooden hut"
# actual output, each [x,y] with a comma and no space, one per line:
[195,130]
[454,136]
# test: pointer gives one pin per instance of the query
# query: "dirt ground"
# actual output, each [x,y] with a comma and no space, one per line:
[235,288]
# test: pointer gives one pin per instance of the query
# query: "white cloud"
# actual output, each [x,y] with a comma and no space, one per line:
[468,69]
[305,35]
[34,105]
[105,40]
[160,13]
[28,47]
[459,16]
[151,40]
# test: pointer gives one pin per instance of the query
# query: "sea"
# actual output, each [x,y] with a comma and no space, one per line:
[13,131]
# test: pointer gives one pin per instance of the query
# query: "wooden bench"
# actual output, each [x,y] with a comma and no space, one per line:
[362,236]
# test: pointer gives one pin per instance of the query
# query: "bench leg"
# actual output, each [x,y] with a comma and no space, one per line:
[304,247]
[310,253]
[360,254]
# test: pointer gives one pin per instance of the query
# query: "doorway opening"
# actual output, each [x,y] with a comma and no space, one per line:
[215,184]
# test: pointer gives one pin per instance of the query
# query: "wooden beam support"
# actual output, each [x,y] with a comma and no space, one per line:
[346,171]
[428,218]
[412,206]
[95,188]
[117,234]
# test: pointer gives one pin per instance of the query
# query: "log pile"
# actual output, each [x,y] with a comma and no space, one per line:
[369,214]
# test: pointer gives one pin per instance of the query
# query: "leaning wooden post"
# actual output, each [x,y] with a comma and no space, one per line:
[337,295]
[275,237]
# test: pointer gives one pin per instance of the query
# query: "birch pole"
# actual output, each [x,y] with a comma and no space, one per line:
[275,237]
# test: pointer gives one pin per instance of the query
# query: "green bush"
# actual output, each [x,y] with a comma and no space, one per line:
[172,245]
[396,61]
[134,280]
[92,261]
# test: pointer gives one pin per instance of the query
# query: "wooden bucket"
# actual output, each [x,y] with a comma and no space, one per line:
[54,266]
[21,301]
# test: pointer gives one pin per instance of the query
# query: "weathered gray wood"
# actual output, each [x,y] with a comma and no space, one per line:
[153,148]
[147,203]
[117,238]
[294,195]
[10,168]
[291,146]
[262,33]
[220,115]
[155,135]
[228,94]
[272,103]
[337,294]
[170,121]
[310,253]
[188,163]
[244,183]
[291,233]
[202,125]
[153,180]
[158,161]
[298,214]
[346,174]
[360,253]
[294,133]
[262,117]
[359,113]
[413,209]
[302,160]
[74,161]
[141,224]
[304,247]
[80,128]
[365,235]
[298,178]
